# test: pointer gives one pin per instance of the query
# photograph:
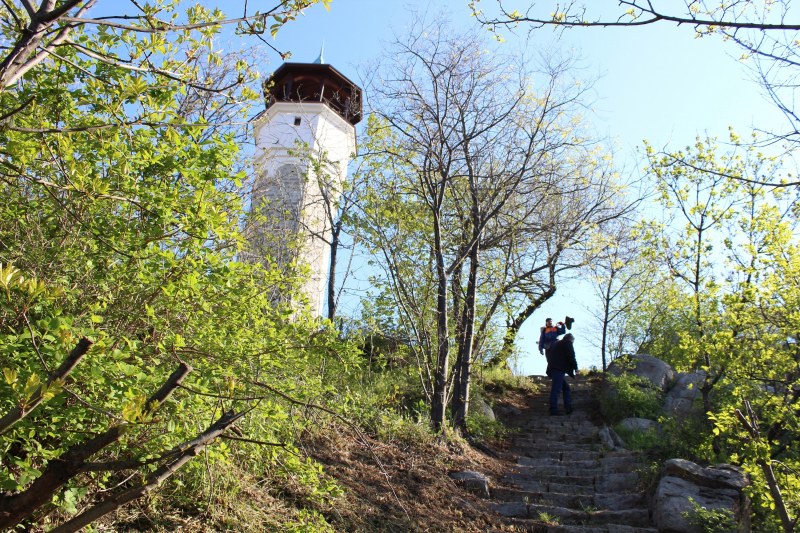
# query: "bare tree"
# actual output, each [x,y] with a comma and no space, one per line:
[764,31]
[701,15]
[491,169]
[621,278]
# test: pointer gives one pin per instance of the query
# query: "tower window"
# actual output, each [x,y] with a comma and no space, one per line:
[296,121]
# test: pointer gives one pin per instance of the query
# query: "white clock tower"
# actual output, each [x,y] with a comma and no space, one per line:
[304,141]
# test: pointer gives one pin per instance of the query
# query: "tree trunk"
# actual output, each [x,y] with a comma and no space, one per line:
[337,230]
[606,313]
[65,368]
[187,452]
[466,341]
[439,403]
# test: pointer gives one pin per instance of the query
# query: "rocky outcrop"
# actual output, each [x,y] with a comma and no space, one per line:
[685,485]
[681,399]
[483,408]
[656,371]
[609,438]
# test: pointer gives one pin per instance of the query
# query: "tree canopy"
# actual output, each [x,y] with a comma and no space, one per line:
[131,337]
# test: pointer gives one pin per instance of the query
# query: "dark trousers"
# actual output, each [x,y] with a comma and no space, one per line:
[559,385]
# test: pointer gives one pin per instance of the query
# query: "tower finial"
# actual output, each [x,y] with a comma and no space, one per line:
[321,60]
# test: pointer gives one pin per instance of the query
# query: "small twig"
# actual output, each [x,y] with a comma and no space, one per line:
[33,343]
[17,109]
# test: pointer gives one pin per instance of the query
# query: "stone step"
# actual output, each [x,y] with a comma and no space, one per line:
[560,430]
[569,488]
[621,501]
[560,455]
[528,484]
[598,464]
[547,446]
[588,517]
[551,441]
[606,528]
[551,498]
[567,515]
[546,475]
[622,482]
[565,480]
[572,499]
[564,470]
[558,474]
[525,525]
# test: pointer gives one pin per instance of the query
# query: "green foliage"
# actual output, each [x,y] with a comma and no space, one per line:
[728,306]
[499,378]
[483,428]
[308,521]
[396,427]
[710,520]
[120,222]
[388,404]
[548,519]
[639,440]
[629,396]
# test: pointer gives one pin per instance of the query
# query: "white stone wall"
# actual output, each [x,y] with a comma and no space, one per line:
[287,135]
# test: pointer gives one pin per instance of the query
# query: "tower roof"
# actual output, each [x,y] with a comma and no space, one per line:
[315,82]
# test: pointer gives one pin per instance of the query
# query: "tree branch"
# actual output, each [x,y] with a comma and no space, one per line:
[16,507]
[182,455]
[67,366]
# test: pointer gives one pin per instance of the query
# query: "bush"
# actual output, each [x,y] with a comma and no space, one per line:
[484,428]
[628,396]
[710,520]
[639,440]
[500,378]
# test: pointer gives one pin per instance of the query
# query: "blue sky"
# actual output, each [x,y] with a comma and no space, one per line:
[658,83]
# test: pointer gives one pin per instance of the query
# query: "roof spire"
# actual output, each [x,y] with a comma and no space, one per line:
[321,60]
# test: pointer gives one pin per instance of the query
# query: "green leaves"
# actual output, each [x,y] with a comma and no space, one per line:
[9,277]
[120,222]
[10,375]
[734,306]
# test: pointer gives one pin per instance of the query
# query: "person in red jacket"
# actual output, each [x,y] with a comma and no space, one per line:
[549,335]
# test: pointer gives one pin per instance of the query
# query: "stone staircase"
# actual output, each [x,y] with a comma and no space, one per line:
[564,480]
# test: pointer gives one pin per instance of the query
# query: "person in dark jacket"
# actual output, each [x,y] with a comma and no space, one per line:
[549,336]
[561,363]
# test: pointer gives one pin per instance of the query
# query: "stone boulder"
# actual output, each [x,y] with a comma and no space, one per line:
[717,487]
[483,408]
[609,439]
[642,425]
[680,399]
[506,410]
[656,371]
[475,482]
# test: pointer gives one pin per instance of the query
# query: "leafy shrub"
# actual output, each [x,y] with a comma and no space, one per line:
[710,520]
[639,440]
[629,396]
[500,378]
[484,428]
